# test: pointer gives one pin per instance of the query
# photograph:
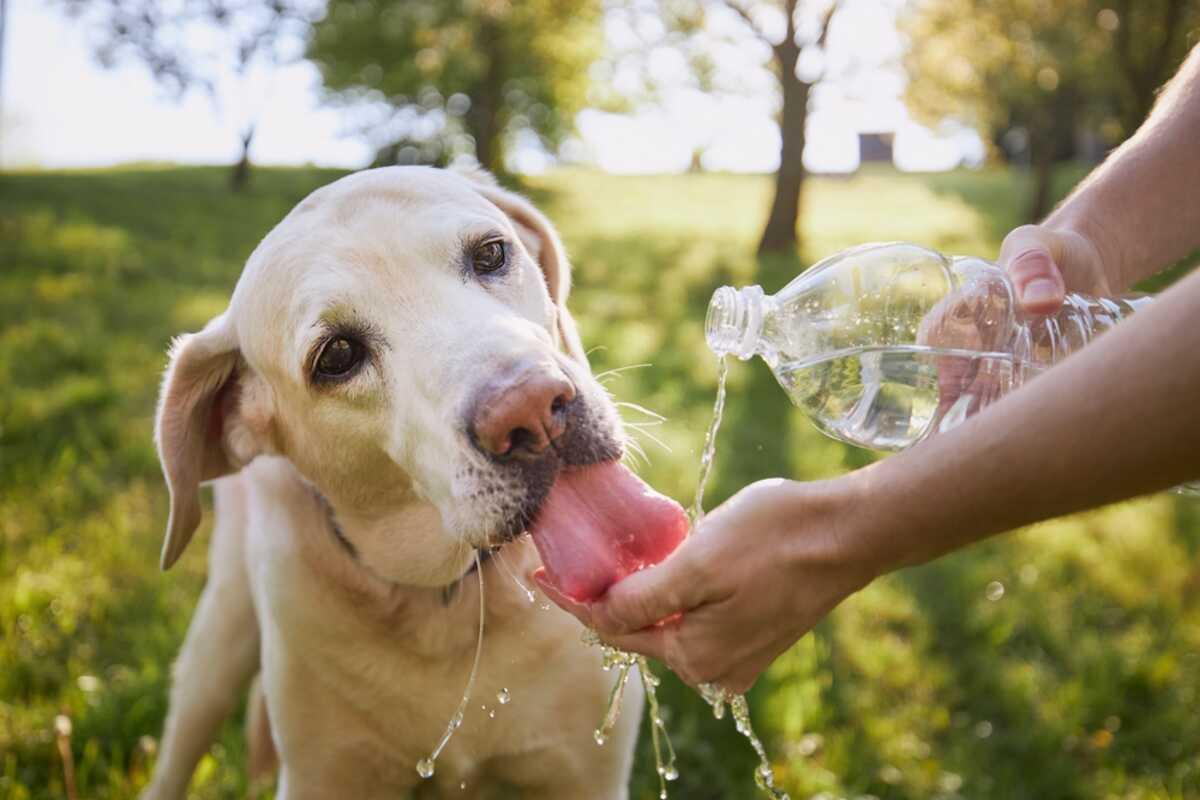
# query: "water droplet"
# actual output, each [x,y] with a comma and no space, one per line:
[599,736]
[544,606]
[462,787]
[662,794]
[994,591]
[425,767]
[503,696]
[492,714]
[530,597]
[456,720]
[670,772]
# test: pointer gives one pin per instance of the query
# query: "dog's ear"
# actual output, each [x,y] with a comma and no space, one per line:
[203,430]
[543,243]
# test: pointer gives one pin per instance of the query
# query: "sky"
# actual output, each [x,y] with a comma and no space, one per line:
[61,109]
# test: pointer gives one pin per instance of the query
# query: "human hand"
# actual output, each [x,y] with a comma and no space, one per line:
[1046,262]
[757,574]
[1043,262]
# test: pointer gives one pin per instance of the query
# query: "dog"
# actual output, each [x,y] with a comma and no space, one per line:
[391,392]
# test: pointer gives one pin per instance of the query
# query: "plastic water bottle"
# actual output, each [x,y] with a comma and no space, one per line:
[886,344]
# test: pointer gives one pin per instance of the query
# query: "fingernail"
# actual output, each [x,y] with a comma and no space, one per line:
[1039,291]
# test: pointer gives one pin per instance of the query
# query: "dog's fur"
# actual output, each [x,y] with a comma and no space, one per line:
[348,514]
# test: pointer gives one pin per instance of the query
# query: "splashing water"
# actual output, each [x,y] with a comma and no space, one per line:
[664,753]
[525,590]
[425,767]
[715,696]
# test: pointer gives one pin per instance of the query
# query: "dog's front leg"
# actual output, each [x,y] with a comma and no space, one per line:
[218,657]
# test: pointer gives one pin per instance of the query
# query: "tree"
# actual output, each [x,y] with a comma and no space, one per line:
[779,234]
[213,46]
[445,70]
[1151,39]
[1049,70]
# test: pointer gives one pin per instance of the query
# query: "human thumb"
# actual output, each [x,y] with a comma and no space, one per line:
[1028,256]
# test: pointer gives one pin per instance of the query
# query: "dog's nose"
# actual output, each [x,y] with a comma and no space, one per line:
[522,417]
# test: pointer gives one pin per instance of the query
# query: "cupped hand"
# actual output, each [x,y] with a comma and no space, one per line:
[757,574]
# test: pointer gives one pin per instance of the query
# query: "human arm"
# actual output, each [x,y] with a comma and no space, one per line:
[1134,215]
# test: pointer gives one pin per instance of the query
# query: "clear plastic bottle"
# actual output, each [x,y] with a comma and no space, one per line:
[886,344]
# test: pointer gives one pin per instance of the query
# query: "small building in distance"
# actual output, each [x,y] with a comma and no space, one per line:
[875,147]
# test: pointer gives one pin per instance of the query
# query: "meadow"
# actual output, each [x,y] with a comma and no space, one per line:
[1062,661]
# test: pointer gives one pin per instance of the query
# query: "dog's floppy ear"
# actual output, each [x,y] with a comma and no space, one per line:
[201,430]
[542,241]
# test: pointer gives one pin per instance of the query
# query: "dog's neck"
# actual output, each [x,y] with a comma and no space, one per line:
[382,564]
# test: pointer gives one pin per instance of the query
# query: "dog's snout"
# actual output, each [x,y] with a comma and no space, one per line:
[522,417]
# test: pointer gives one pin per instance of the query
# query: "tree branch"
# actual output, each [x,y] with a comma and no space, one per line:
[823,35]
[736,8]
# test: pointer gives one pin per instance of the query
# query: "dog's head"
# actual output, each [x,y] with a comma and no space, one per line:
[402,338]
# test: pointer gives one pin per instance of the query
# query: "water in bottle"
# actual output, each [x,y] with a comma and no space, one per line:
[886,344]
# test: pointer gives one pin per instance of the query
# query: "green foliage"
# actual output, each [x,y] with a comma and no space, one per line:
[1080,681]
[523,66]
[1052,67]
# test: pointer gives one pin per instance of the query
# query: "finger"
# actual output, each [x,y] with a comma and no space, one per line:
[651,595]
[579,610]
[1028,256]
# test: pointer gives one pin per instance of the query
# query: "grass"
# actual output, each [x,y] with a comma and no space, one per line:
[1080,681]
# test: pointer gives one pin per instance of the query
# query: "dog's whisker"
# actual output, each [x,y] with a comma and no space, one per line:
[635,454]
[640,408]
[618,370]
[641,431]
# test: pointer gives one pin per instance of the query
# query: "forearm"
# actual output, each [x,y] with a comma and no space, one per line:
[1118,419]
[1141,208]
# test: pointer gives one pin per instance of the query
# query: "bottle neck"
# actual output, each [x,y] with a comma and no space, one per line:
[734,322]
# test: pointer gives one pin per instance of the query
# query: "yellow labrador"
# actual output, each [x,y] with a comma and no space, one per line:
[395,385]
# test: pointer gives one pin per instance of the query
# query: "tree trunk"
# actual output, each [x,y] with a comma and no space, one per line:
[779,235]
[483,117]
[1041,197]
[241,170]
[482,124]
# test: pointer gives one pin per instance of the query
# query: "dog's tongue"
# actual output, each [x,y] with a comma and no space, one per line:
[601,523]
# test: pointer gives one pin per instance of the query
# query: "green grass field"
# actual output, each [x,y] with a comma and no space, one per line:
[1081,681]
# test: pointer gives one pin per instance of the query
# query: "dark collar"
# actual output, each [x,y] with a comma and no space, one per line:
[448,591]
[451,589]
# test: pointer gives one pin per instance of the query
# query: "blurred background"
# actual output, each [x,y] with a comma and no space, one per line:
[147,145]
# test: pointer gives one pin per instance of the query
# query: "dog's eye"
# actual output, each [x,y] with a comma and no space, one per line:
[339,358]
[489,257]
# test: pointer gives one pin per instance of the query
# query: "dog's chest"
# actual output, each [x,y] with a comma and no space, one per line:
[390,681]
